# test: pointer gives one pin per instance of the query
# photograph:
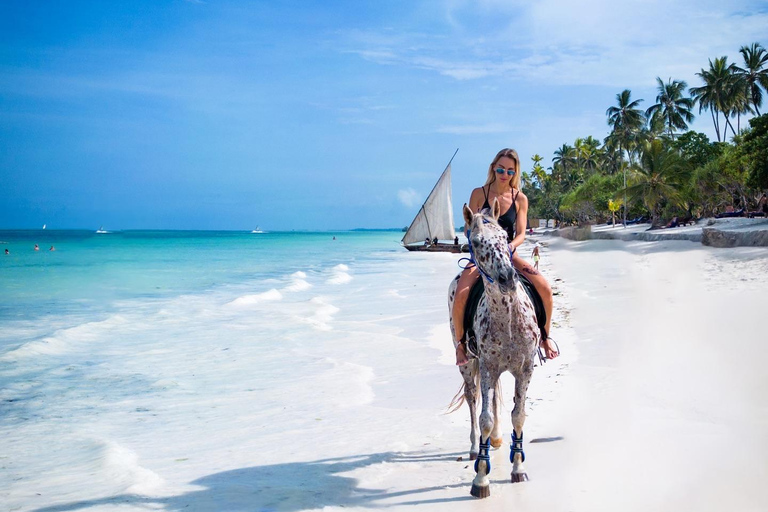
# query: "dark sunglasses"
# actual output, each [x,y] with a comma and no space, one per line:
[510,172]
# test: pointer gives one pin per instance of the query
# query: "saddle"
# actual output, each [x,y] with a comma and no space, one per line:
[476,293]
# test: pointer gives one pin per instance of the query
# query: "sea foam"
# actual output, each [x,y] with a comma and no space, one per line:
[339,275]
[298,283]
[250,300]
[62,340]
[322,316]
[122,465]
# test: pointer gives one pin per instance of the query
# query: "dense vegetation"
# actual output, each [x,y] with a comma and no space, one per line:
[651,163]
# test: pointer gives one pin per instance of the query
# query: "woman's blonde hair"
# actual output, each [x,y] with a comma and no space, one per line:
[511,153]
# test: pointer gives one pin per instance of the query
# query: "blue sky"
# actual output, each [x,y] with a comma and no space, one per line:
[315,115]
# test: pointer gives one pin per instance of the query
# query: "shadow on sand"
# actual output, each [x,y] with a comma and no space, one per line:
[285,487]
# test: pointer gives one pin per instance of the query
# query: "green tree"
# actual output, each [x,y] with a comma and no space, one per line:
[718,92]
[625,119]
[754,72]
[672,106]
[695,149]
[564,157]
[591,199]
[539,174]
[754,148]
[611,158]
[656,179]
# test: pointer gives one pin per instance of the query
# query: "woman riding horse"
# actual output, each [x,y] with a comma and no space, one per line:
[502,183]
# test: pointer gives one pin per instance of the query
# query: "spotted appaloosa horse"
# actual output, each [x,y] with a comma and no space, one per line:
[507,338]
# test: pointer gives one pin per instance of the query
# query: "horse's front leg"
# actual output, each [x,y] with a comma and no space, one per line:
[481,484]
[496,439]
[517,455]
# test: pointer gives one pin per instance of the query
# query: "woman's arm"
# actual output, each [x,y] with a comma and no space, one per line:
[522,220]
[476,200]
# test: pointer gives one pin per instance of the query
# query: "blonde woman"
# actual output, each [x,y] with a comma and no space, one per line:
[502,183]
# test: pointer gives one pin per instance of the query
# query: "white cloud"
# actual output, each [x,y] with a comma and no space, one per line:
[560,42]
[409,197]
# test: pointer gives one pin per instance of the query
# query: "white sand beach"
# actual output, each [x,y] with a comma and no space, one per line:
[659,401]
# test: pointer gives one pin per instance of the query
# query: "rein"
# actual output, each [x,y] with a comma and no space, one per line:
[473,261]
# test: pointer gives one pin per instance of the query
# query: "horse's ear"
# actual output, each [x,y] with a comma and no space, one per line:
[467,216]
[496,210]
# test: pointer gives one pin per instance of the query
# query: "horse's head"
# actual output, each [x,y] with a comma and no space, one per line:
[490,246]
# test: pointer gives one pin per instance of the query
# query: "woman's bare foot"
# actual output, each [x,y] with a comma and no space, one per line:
[550,349]
[461,355]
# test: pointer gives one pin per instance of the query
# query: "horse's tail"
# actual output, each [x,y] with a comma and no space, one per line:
[458,400]
[460,397]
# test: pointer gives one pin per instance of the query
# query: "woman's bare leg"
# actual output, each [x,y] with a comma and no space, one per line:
[467,279]
[545,291]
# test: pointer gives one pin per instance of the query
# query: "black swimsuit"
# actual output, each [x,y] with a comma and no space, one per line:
[509,218]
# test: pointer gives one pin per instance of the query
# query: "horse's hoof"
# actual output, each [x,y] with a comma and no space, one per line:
[519,477]
[472,455]
[480,492]
[496,443]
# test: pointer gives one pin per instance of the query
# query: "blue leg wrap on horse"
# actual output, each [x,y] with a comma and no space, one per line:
[484,454]
[516,447]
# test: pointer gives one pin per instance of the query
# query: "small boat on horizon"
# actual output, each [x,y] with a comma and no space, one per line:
[257,231]
[102,231]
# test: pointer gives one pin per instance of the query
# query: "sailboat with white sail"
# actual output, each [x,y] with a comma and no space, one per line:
[433,230]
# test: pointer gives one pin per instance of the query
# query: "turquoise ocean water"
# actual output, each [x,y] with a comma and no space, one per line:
[89,273]
[138,363]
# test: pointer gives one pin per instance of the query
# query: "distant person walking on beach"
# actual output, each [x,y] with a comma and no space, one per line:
[502,183]
[536,256]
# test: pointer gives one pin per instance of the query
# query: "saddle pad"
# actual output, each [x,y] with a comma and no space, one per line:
[476,293]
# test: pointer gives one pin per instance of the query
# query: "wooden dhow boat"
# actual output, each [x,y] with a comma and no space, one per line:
[432,229]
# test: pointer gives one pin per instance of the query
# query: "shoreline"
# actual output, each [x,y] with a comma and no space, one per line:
[722,233]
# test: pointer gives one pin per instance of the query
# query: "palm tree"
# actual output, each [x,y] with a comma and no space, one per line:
[537,172]
[672,106]
[611,158]
[563,157]
[653,130]
[755,72]
[656,178]
[578,151]
[589,153]
[626,119]
[738,100]
[718,92]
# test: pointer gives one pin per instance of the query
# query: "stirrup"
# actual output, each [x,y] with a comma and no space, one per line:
[542,355]
[467,351]
[466,339]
